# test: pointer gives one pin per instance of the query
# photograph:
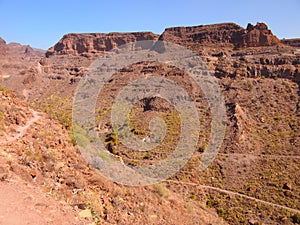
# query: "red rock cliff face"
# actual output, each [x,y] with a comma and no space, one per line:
[216,33]
[94,43]
[258,35]
[224,33]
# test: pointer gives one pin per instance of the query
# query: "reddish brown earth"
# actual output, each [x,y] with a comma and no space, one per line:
[23,203]
[255,177]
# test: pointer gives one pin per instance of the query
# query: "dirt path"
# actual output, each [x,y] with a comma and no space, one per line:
[252,156]
[25,203]
[22,203]
[21,130]
[236,194]
[260,156]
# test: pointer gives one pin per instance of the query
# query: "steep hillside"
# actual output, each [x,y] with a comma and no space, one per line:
[38,154]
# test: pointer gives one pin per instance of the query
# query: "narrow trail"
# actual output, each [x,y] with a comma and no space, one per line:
[260,155]
[241,156]
[236,194]
[26,203]
[21,130]
[268,156]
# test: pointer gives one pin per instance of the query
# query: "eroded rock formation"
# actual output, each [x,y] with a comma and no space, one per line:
[225,33]
[93,43]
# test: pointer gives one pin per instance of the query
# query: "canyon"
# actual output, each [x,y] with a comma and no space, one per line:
[254,178]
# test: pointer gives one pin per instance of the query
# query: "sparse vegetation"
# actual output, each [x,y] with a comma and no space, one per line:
[161,189]
[57,108]
[1,116]
[4,89]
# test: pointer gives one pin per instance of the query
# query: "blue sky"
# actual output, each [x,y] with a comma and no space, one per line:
[42,23]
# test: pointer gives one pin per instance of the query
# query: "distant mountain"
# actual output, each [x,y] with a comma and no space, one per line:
[18,65]
[16,48]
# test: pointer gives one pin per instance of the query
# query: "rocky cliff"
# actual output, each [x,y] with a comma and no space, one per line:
[225,33]
[93,43]
[258,35]
[3,47]
[294,42]
[227,48]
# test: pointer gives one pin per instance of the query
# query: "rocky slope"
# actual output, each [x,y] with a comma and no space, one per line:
[63,189]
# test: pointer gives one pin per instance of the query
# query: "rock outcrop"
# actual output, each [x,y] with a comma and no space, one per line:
[294,42]
[204,34]
[95,43]
[258,35]
[225,33]
[3,47]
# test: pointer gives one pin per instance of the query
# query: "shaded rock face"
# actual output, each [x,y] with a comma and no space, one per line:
[225,33]
[294,42]
[93,43]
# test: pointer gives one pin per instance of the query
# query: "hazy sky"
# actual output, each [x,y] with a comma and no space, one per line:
[42,23]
